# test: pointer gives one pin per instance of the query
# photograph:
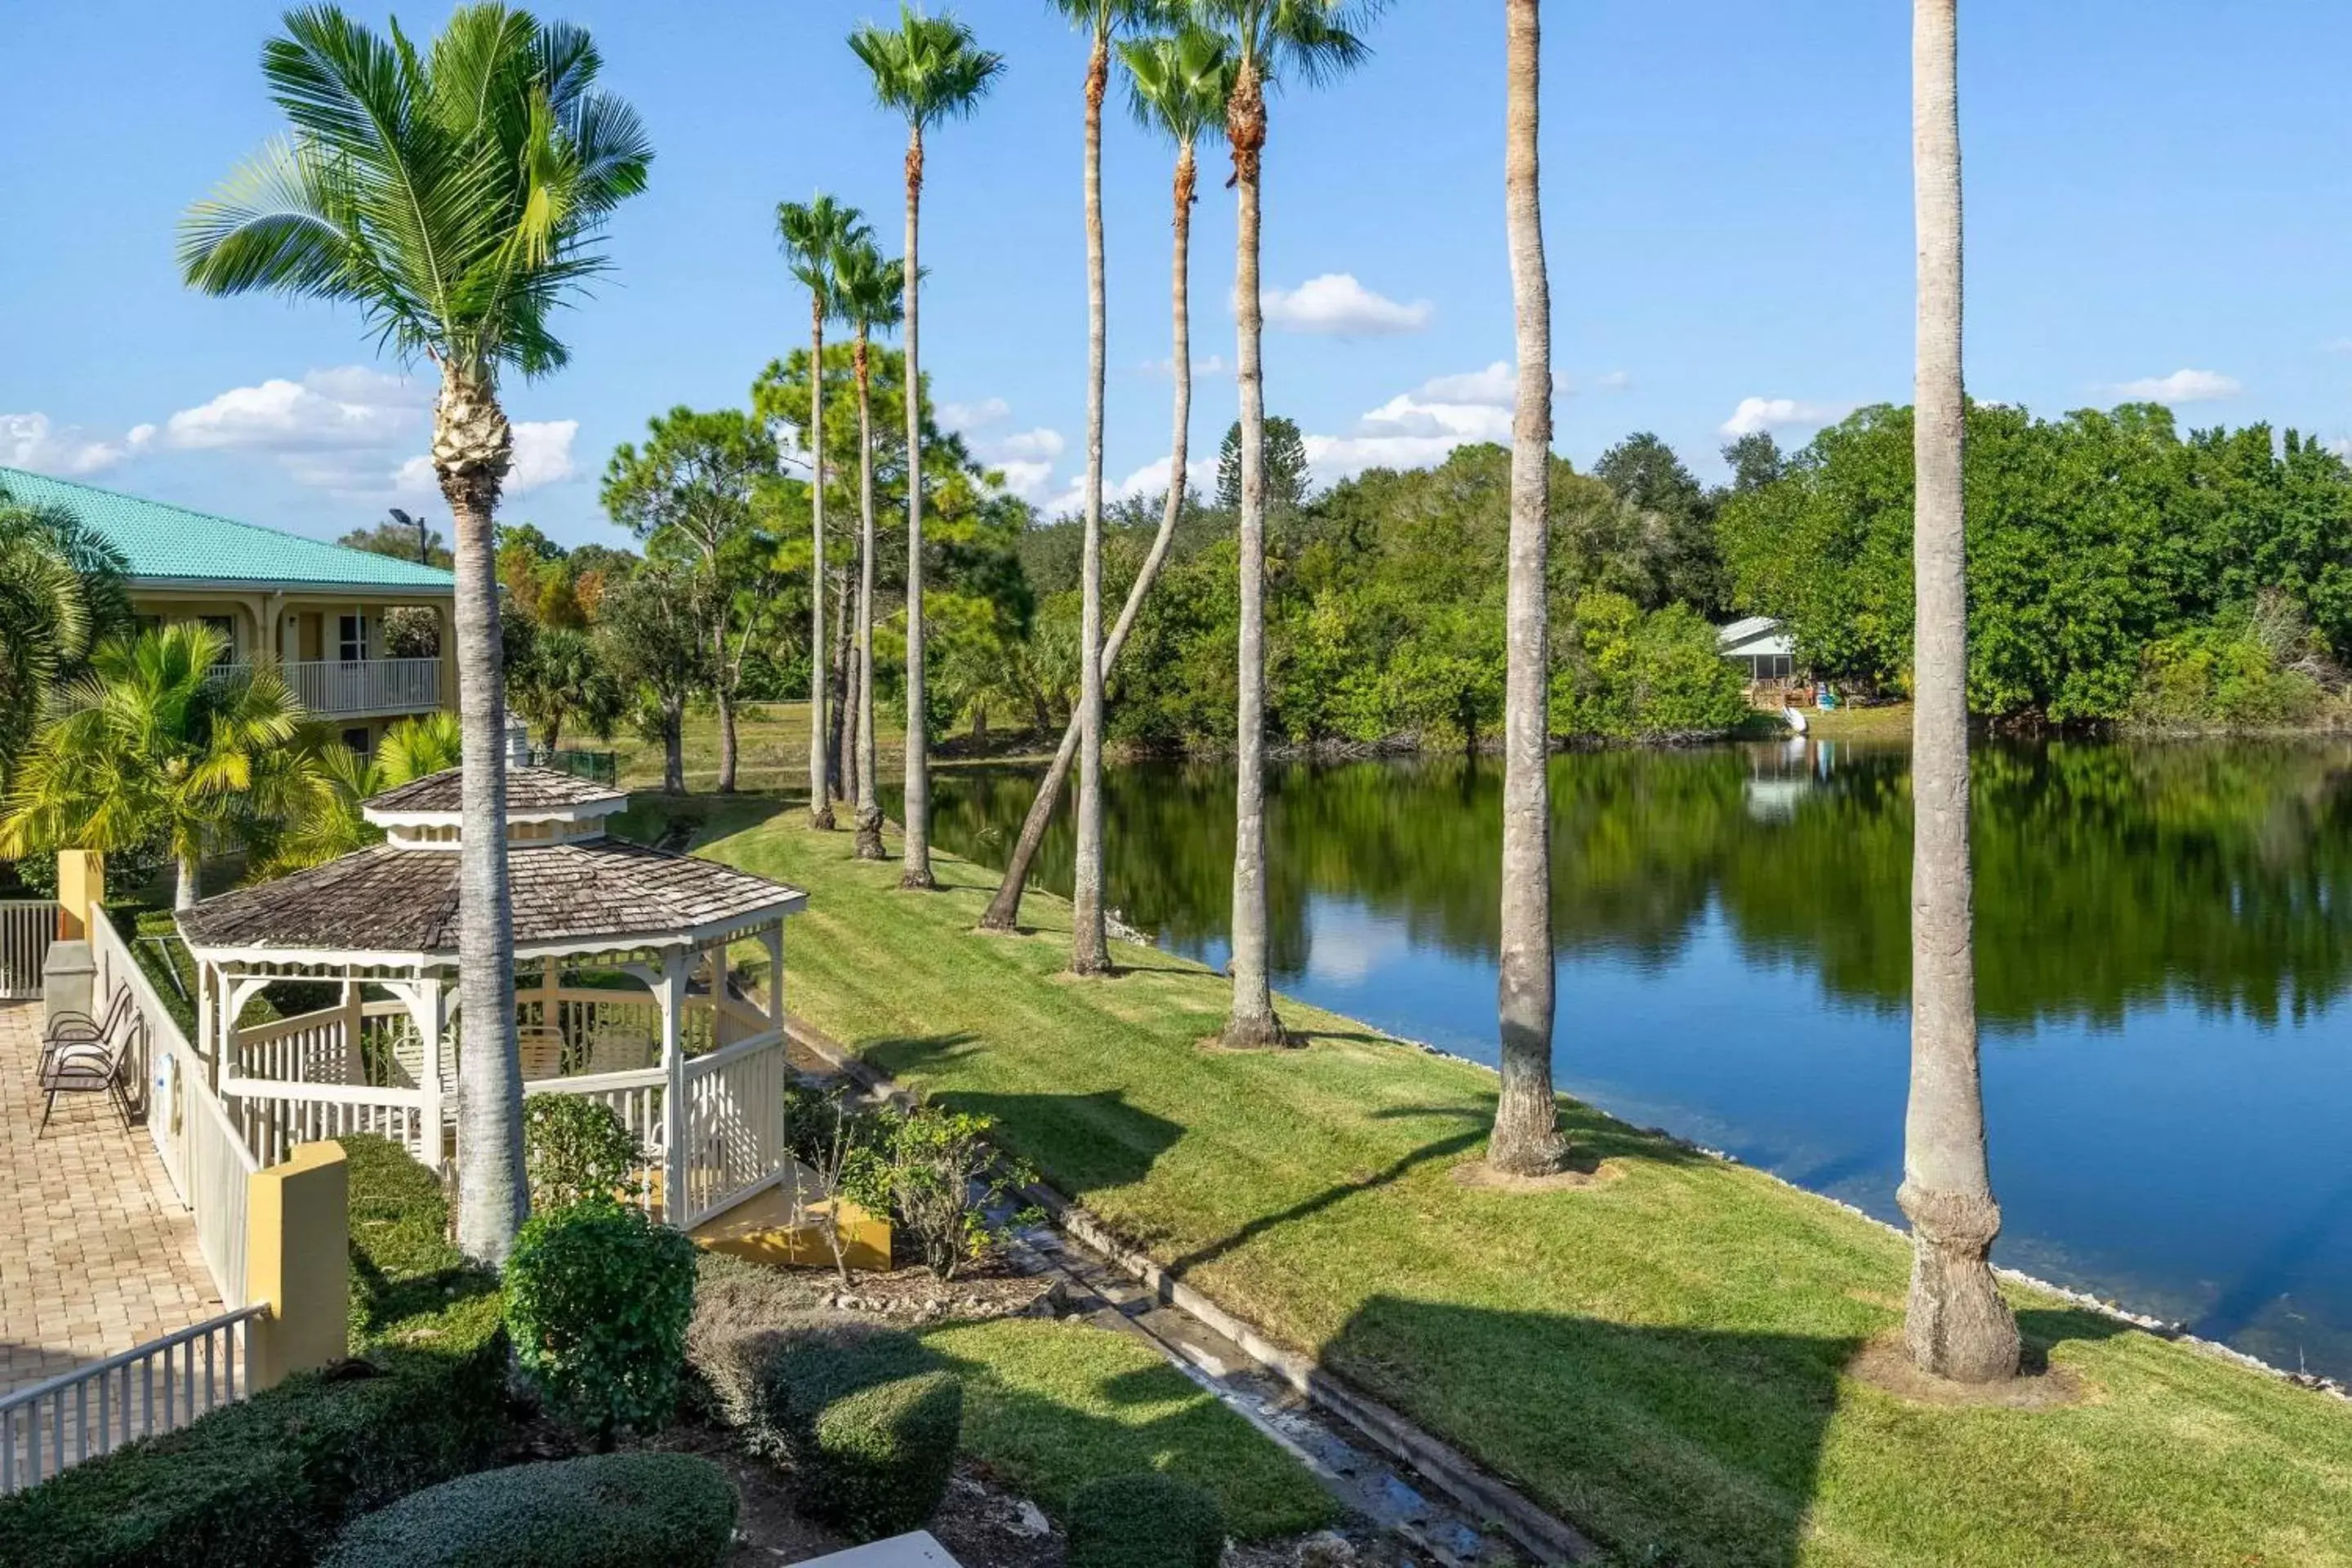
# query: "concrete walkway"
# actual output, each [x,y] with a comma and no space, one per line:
[96,1253]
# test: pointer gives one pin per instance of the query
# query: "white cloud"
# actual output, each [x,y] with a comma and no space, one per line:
[1615,380]
[1214,365]
[1415,428]
[543,454]
[32,441]
[1337,304]
[2180,386]
[1040,444]
[1755,414]
[970,416]
[348,409]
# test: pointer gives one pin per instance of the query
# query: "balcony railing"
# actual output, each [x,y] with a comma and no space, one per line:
[347,687]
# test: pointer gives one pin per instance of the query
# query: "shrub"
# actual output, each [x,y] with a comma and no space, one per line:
[1147,1520]
[933,1168]
[263,1483]
[865,1423]
[607,1510]
[575,1150]
[597,1299]
[406,1275]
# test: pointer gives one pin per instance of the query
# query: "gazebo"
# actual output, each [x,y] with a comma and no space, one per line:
[626,990]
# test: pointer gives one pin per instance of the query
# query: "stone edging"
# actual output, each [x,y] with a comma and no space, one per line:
[1548,1539]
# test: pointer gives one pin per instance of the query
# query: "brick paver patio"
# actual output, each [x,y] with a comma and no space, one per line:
[96,1253]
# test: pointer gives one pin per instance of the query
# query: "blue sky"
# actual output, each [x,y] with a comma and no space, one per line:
[2159,203]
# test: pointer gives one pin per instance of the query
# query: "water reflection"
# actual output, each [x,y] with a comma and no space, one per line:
[2162,945]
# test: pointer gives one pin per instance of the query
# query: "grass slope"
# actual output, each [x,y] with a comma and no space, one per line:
[1658,1358]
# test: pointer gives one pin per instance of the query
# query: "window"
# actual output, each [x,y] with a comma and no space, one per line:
[226,627]
[358,739]
[351,638]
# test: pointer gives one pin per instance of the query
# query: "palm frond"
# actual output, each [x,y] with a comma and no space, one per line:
[928,69]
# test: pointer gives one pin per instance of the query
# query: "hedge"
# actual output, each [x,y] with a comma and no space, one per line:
[1147,1520]
[865,1422]
[608,1511]
[266,1483]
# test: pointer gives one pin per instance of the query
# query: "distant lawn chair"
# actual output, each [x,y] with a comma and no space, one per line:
[66,1026]
[90,1067]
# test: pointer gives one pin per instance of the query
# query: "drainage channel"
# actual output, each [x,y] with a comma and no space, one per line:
[1365,1482]
[1366,1476]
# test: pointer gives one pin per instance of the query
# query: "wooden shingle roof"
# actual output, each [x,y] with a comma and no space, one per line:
[528,789]
[390,900]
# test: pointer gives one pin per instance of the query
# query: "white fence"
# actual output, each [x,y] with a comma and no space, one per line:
[143,1393]
[734,1125]
[367,685]
[203,1149]
[28,926]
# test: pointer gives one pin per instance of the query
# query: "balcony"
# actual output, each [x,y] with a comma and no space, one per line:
[366,687]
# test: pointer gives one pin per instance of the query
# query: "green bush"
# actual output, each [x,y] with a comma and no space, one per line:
[934,1171]
[866,1424]
[407,1278]
[576,1149]
[608,1511]
[2227,675]
[1147,1520]
[597,1299]
[265,1483]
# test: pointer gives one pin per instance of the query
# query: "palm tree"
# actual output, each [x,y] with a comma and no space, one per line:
[872,296]
[1089,948]
[1957,1324]
[61,595]
[331,823]
[1526,1140]
[1313,41]
[1177,84]
[929,69]
[163,739]
[456,195]
[813,233]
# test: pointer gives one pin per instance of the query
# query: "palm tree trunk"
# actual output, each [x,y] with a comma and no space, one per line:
[1252,1022]
[1956,1325]
[917,870]
[869,802]
[1004,910]
[1526,1140]
[839,763]
[820,774]
[472,445]
[723,692]
[1089,948]
[184,890]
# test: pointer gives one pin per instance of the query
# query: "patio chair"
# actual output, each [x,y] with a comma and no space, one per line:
[541,1051]
[66,1026]
[89,1066]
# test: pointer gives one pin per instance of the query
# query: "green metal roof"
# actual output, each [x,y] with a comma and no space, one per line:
[169,546]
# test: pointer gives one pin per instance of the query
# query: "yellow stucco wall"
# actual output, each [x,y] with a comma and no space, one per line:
[298,1260]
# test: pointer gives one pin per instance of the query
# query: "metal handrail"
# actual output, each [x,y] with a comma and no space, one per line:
[179,1404]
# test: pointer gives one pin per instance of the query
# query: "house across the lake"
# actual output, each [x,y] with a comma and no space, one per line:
[1761,646]
[322,611]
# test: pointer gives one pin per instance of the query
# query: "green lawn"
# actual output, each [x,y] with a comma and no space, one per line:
[1658,1358]
[1049,1406]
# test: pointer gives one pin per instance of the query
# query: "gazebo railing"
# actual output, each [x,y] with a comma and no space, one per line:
[274,1116]
[734,1138]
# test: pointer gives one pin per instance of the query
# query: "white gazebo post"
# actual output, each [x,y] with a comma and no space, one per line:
[772,938]
[671,995]
[204,1020]
[427,1000]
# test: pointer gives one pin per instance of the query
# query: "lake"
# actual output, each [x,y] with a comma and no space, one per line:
[2164,945]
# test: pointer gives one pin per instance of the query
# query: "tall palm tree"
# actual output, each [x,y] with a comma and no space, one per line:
[456,196]
[1089,947]
[813,233]
[61,595]
[1957,1324]
[930,69]
[163,739]
[1311,41]
[1526,1140]
[871,297]
[1177,84]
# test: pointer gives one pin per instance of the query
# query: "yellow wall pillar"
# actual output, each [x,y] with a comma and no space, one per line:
[297,1260]
[81,887]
